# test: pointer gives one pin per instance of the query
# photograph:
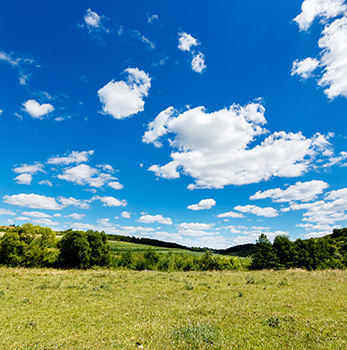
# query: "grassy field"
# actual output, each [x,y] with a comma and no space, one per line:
[104,309]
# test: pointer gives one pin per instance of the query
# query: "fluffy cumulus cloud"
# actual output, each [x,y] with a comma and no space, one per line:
[46,182]
[36,201]
[24,179]
[301,191]
[333,44]
[36,110]
[76,216]
[70,201]
[93,22]
[29,168]
[115,185]
[122,99]
[253,209]
[71,158]
[32,200]
[223,148]
[203,204]
[84,174]
[334,52]
[186,41]
[198,63]
[110,201]
[325,9]
[92,19]
[126,214]
[305,67]
[150,219]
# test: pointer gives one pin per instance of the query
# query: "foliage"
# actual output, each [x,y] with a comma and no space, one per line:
[311,254]
[151,259]
[79,249]
[28,245]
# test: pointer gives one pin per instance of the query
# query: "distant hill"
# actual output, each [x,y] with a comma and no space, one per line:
[242,250]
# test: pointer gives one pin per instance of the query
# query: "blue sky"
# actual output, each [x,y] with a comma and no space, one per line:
[204,123]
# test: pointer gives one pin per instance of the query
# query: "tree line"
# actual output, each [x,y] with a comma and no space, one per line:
[328,252]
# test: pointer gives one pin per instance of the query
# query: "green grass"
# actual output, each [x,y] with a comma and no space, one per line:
[120,246]
[104,309]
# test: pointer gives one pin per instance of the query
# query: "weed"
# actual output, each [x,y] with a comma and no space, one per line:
[197,336]
[188,285]
[273,322]
[250,279]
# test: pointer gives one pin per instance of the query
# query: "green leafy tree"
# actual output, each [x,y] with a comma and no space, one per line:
[28,245]
[264,256]
[100,253]
[11,249]
[74,250]
[284,250]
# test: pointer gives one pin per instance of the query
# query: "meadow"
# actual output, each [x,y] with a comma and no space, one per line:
[122,309]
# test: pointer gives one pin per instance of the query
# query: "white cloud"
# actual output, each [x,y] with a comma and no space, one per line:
[20,64]
[94,22]
[70,158]
[326,9]
[110,201]
[35,214]
[46,182]
[203,204]
[37,111]
[158,127]
[301,191]
[115,185]
[142,38]
[24,179]
[305,67]
[186,41]
[230,214]
[123,99]
[91,18]
[149,219]
[80,203]
[333,58]
[44,221]
[7,212]
[219,148]
[152,18]
[126,214]
[76,216]
[194,226]
[335,160]
[253,209]
[198,63]
[333,44]
[84,174]
[32,200]
[29,168]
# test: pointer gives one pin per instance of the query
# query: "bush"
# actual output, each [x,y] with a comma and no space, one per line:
[28,245]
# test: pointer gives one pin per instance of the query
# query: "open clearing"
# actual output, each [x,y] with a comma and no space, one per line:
[105,309]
